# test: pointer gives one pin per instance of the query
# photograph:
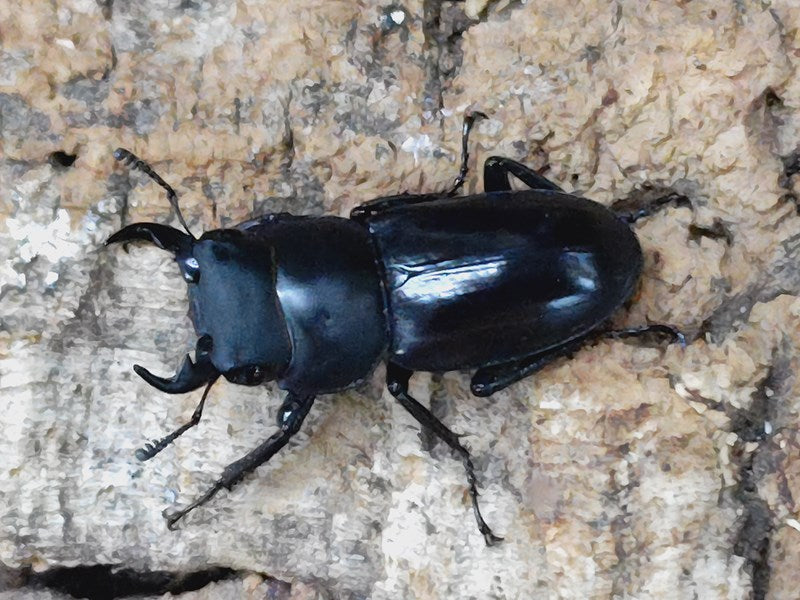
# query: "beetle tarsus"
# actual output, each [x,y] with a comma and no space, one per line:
[148,451]
[672,334]
[292,413]
[631,217]
[152,448]
[466,127]
[172,517]
[397,383]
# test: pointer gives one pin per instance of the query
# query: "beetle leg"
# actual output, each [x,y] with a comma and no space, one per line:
[652,207]
[397,383]
[379,205]
[152,448]
[290,417]
[668,331]
[466,127]
[496,170]
[373,207]
[488,380]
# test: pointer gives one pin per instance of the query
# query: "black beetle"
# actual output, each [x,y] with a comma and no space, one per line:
[504,282]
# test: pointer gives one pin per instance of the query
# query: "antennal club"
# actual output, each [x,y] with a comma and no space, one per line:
[134,162]
[152,448]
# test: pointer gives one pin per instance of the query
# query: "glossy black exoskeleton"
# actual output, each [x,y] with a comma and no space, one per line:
[503,282]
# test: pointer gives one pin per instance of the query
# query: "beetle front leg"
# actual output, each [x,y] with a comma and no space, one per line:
[291,415]
[397,383]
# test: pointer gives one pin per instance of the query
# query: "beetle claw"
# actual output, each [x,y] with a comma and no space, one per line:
[149,450]
[490,538]
[172,517]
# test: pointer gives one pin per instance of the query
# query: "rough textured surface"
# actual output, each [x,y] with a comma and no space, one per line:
[626,472]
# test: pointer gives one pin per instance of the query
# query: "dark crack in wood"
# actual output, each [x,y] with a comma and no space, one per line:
[756,424]
[107,582]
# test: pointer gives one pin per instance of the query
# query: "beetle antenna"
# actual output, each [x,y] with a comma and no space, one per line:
[152,448]
[134,162]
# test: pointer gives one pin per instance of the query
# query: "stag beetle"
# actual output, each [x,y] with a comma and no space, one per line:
[504,282]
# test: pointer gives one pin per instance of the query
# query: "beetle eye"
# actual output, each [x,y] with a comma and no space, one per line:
[255,375]
[204,346]
[190,269]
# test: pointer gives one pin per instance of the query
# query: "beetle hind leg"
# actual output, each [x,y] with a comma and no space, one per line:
[488,380]
[397,382]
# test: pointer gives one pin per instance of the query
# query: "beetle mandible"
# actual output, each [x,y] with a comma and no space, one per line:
[503,282]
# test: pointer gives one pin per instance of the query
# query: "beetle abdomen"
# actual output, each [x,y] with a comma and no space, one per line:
[489,278]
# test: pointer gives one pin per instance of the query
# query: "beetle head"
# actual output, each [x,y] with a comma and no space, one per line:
[235,302]
[233,305]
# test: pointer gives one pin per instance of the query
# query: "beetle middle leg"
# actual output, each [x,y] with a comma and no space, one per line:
[378,205]
[496,170]
[631,216]
[466,128]
[397,383]
[291,415]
